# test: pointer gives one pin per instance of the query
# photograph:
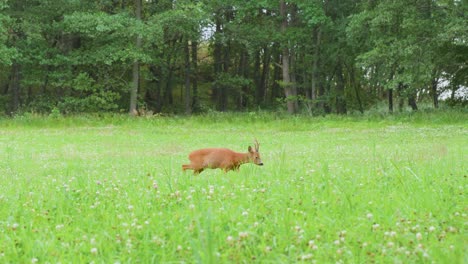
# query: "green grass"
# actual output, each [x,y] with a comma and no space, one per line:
[333,189]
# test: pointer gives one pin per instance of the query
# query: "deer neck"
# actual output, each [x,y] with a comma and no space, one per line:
[242,158]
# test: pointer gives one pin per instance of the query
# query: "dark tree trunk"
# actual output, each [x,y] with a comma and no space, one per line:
[390,100]
[315,74]
[223,102]
[412,102]
[340,93]
[136,67]
[188,108]
[153,96]
[390,91]
[401,101]
[195,99]
[288,86]
[168,98]
[15,88]
[256,75]
[217,53]
[265,74]
[242,71]
[435,95]
[275,88]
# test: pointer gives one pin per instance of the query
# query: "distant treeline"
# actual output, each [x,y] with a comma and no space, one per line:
[319,56]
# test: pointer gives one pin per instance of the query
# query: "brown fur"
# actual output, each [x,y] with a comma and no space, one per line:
[222,158]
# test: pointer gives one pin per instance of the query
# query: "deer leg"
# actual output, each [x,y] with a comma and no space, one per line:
[187,167]
[197,171]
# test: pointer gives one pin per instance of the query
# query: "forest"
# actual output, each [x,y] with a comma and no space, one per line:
[193,56]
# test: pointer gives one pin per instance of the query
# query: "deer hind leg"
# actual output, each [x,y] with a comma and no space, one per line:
[187,167]
[198,171]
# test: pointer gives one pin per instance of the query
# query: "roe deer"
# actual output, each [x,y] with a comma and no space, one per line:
[221,158]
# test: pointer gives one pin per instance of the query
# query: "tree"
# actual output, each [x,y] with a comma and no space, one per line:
[136,66]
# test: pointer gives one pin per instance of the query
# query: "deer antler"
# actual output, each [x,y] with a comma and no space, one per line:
[256,144]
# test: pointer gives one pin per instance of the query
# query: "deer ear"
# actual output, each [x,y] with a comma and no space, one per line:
[250,149]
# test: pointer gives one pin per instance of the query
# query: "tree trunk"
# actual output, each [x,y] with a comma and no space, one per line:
[354,83]
[315,75]
[195,99]
[275,88]
[243,71]
[288,87]
[390,91]
[188,108]
[136,67]
[390,100]
[340,94]
[15,87]
[435,95]
[217,63]
[262,90]
[412,102]
[256,75]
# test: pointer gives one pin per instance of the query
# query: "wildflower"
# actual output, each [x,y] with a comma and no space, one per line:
[418,236]
[431,229]
[375,226]
[34,260]
[229,239]
[14,226]
[306,257]
[243,235]
[130,207]
[94,251]
[452,229]
[245,213]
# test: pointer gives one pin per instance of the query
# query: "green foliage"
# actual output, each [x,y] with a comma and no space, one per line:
[230,82]
[345,55]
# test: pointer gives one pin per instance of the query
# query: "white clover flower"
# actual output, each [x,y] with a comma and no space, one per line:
[418,236]
[243,235]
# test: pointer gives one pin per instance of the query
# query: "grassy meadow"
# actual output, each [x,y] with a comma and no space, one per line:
[110,189]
